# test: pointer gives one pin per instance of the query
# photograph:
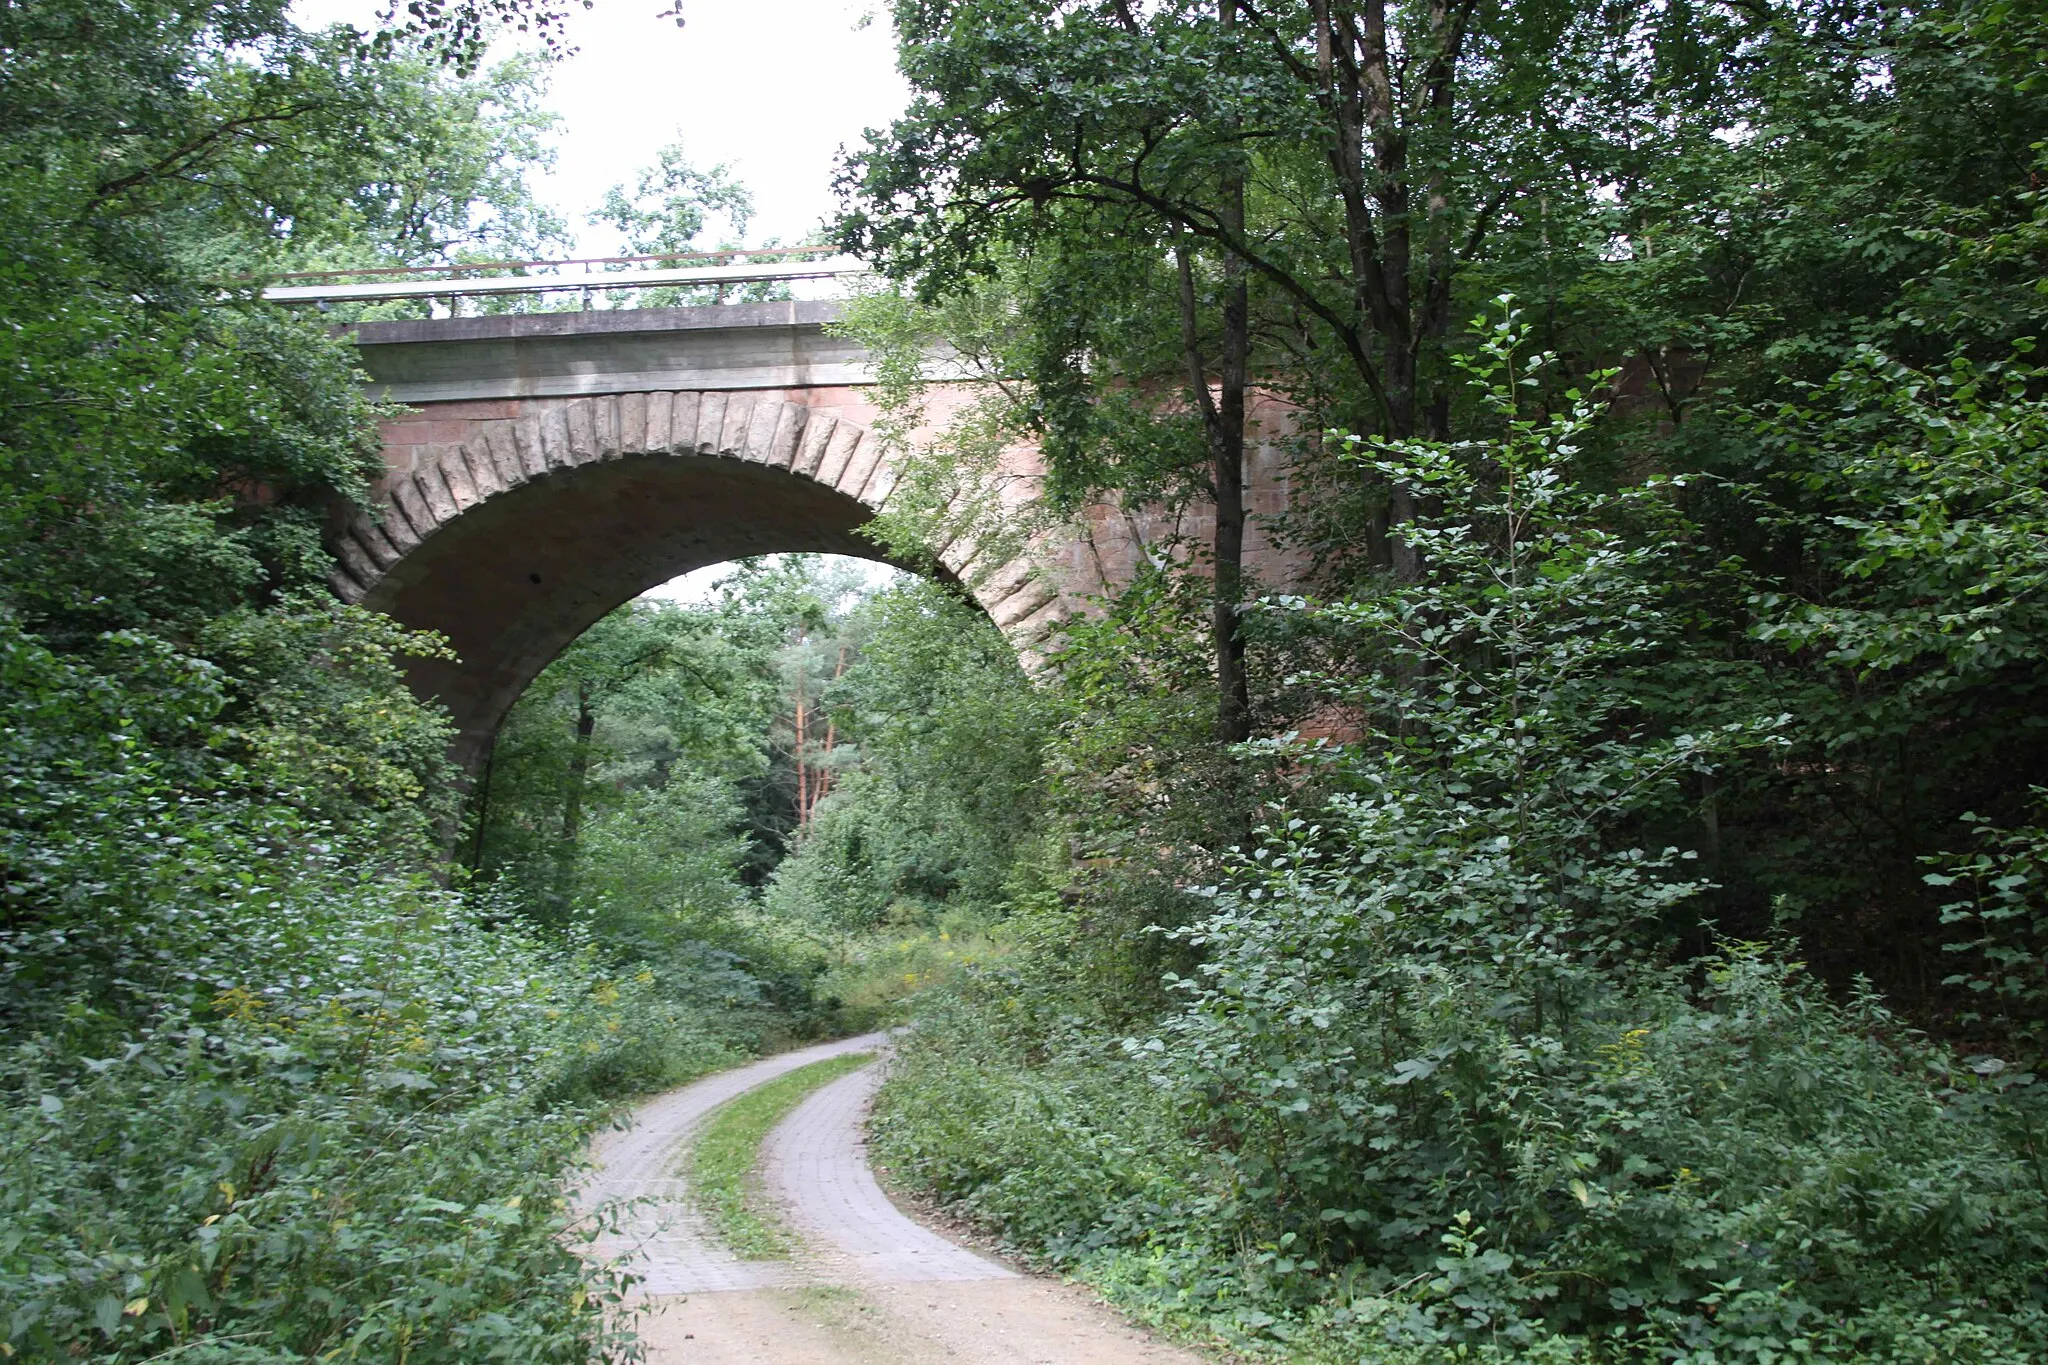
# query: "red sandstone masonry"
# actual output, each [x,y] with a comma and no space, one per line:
[824,442]
[472,462]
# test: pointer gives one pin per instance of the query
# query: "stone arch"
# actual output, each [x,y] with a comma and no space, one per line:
[515,537]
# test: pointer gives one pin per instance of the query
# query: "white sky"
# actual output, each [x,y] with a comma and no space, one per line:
[773,90]
[700,585]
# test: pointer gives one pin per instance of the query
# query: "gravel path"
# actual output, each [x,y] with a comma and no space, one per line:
[872,1287]
[658,1235]
[816,1164]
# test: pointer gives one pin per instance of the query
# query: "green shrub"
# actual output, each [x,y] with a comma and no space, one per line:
[1041,1128]
[264,1094]
[1437,1083]
[875,979]
[347,1129]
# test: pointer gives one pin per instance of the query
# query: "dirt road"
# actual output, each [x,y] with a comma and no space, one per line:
[871,1286]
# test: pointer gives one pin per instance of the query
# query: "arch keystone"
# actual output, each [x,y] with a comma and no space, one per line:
[483,470]
[357,562]
[412,522]
[682,422]
[861,467]
[582,424]
[370,536]
[529,448]
[655,423]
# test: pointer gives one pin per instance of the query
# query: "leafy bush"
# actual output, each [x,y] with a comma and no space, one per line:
[1438,1080]
[265,1092]
[876,978]
[346,1132]
[949,735]
[1040,1127]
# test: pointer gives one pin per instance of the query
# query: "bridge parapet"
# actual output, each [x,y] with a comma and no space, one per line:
[628,350]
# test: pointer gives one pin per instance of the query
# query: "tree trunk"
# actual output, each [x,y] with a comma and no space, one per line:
[1223,417]
[803,789]
[821,786]
[579,766]
[1233,707]
[483,807]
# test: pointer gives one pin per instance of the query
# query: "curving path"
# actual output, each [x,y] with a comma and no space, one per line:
[816,1163]
[872,1286]
[653,1231]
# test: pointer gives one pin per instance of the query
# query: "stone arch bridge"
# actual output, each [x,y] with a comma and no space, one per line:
[547,468]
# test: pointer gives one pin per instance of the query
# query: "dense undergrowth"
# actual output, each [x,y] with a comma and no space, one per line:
[1738,1169]
[1434,1069]
[271,1091]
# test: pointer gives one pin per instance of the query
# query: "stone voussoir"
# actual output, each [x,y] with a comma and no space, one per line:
[492,470]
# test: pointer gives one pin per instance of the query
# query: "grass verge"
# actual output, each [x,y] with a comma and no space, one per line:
[722,1159]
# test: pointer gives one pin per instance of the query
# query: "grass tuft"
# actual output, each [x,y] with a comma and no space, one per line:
[722,1160]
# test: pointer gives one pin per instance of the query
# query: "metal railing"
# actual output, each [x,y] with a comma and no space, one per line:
[589,282]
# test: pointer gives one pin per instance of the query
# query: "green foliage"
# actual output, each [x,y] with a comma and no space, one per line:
[660,867]
[650,694]
[317,713]
[1437,1078]
[448,177]
[2002,943]
[1894,541]
[268,1091]
[342,1129]
[670,206]
[1923,497]
[1740,1168]
[854,861]
[1030,1119]
[723,1157]
[674,202]
[949,734]
[881,976]
[265,1086]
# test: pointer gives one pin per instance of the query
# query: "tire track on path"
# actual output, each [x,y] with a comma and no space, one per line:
[660,1235]
[872,1287]
[816,1165]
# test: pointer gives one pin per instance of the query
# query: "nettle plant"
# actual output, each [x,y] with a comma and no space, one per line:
[1457,1081]
[1395,992]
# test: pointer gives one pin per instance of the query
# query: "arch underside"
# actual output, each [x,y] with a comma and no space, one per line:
[522,537]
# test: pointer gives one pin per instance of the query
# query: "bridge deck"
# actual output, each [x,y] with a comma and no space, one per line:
[627,350]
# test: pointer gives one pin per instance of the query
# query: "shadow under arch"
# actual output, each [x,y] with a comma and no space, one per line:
[519,538]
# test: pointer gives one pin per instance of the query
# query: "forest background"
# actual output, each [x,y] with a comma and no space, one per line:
[1646,962]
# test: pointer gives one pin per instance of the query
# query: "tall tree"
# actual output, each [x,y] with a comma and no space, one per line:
[1349,159]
